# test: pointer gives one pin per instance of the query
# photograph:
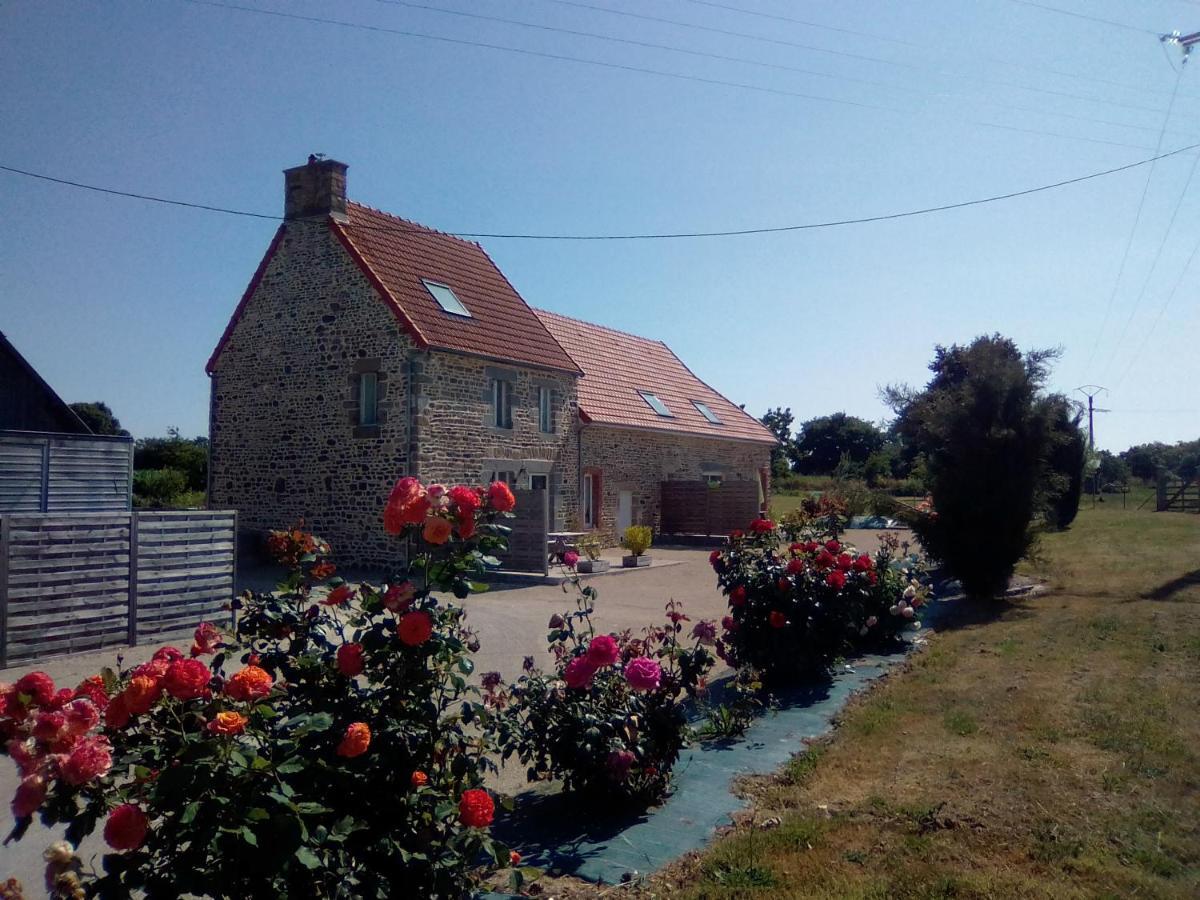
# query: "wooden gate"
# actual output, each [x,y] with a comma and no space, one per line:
[696,507]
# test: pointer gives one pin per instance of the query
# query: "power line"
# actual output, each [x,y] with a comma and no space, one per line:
[778,18]
[559,57]
[580,4]
[1137,218]
[1079,15]
[756,62]
[862,220]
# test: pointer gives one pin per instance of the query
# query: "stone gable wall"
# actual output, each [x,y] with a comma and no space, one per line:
[638,461]
[285,439]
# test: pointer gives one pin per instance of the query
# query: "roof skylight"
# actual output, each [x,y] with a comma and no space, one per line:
[446,298]
[655,404]
[706,412]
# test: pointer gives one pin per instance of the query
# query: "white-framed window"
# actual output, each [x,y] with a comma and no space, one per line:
[714,479]
[590,501]
[545,410]
[502,403]
[368,398]
[446,298]
[508,476]
[656,404]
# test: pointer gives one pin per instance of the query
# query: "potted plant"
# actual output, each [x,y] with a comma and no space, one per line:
[590,545]
[636,540]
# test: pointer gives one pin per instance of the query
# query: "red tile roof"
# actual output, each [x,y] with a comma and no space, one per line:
[617,365]
[397,254]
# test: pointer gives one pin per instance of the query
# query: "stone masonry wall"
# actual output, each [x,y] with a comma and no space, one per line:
[283,412]
[638,461]
[285,439]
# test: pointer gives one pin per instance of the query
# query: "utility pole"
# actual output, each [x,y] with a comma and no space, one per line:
[1185,42]
[1091,391]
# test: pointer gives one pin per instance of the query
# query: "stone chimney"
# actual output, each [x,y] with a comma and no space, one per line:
[316,189]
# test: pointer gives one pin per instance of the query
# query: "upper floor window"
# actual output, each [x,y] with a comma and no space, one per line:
[368,398]
[502,403]
[706,412]
[655,404]
[545,410]
[446,298]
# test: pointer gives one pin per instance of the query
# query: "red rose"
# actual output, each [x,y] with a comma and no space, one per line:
[415,628]
[714,558]
[603,650]
[863,563]
[142,692]
[795,566]
[92,688]
[356,740]
[249,683]
[38,686]
[49,726]
[729,623]
[167,654]
[126,827]
[187,679]
[476,808]
[464,499]
[570,559]
[735,534]
[350,659]
[783,584]
[833,546]
[811,546]
[500,497]
[796,548]
[824,560]
[762,526]
[90,758]
[737,596]
[30,795]
[845,561]
[466,524]
[406,505]
[82,716]
[117,714]
[872,578]
[836,579]
[418,779]
[579,673]
[778,619]
[338,595]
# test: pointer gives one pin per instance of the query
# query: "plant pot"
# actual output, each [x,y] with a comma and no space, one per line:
[633,562]
[592,566]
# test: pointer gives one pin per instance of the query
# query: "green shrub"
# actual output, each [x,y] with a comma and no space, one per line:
[985,433]
[1064,470]
[637,539]
[158,487]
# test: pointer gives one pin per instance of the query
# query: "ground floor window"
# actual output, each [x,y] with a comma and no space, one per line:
[539,482]
[591,499]
[714,479]
[508,476]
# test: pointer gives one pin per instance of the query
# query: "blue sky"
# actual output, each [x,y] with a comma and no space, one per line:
[122,301]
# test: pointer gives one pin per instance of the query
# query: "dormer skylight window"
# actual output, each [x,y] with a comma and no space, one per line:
[655,404]
[706,412]
[446,298]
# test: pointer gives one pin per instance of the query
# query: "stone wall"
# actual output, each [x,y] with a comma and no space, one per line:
[638,461]
[286,443]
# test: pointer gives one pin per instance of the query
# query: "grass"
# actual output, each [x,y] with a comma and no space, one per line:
[1048,747]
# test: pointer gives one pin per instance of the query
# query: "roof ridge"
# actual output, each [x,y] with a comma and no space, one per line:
[415,224]
[538,311]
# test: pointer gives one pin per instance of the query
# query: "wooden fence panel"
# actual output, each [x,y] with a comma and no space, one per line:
[185,569]
[68,584]
[72,583]
[695,507]
[527,543]
[21,474]
[64,473]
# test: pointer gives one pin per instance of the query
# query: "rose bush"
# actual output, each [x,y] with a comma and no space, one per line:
[607,719]
[795,608]
[331,746]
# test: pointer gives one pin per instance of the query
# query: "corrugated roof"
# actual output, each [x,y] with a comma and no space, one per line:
[617,365]
[399,254]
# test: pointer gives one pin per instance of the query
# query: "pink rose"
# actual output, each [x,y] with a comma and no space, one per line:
[91,758]
[643,674]
[619,763]
[30,795]
[570,558]
[603,651]
[579,673]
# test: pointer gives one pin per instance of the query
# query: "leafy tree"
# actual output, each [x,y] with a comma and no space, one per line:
[779,421]
[1113,470]
[175,452]
[1181,459]
[985,433]
[825,442]
[99,418]
[1064,471]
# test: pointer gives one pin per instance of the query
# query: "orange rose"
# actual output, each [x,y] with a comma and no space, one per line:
[406,505]
[228,723]
[251,683]
[142,693]
[419,779]
[501,497]
[356,740]
[514,858]
[437,530]
[338,595]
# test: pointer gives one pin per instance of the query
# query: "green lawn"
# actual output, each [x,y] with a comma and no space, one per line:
[1045,748]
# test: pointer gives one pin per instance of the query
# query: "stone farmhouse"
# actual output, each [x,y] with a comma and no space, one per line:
[367,346]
